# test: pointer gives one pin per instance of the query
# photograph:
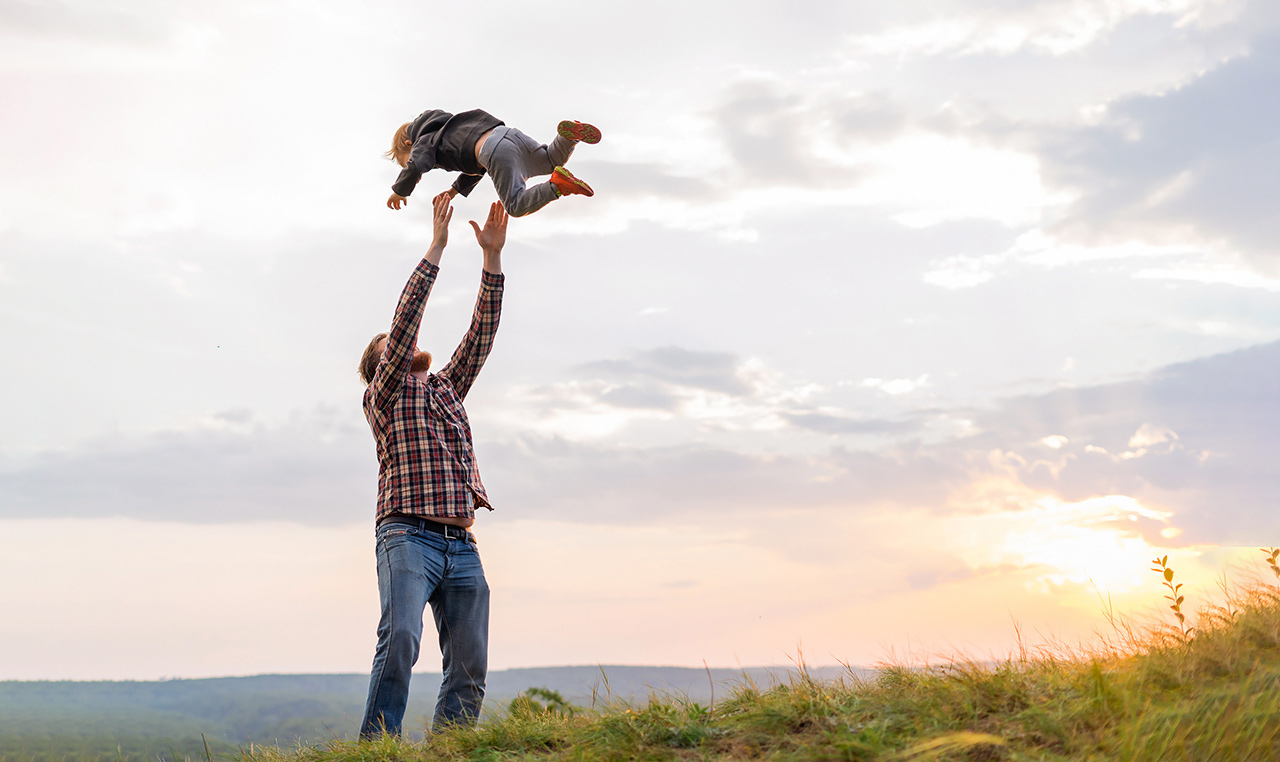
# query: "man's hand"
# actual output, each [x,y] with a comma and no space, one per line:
[493,236]
[396,200]
[452,191]
[441,213]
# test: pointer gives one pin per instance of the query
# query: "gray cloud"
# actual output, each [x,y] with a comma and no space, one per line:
[1205,155]
[835,424]
[93,21]
[621,180]
[712,371]
[1207,455]
[1216,469]
[640,396]
[769,131]
[316,468]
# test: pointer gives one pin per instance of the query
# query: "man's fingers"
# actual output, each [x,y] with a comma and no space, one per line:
[475,227]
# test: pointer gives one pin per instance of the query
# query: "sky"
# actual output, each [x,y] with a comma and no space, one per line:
[894,330]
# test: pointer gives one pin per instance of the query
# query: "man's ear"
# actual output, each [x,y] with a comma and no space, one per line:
[408,142]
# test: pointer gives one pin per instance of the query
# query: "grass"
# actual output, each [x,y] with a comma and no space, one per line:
[1167,693]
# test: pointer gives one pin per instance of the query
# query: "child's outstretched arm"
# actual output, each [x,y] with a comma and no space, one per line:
[420,161]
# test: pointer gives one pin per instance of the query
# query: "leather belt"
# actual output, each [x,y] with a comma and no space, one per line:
[448,530]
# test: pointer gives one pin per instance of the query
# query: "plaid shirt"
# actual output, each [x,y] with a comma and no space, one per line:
[426,464]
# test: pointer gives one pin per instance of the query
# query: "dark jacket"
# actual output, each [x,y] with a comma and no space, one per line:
[445,141]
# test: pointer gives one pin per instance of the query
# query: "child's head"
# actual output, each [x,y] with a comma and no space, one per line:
[401,145]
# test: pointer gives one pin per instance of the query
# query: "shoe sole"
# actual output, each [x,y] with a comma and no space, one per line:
[582,188]
[578,132]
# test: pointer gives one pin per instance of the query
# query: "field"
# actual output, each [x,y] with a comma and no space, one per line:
[1169,694]
[175,719]
[1182,690]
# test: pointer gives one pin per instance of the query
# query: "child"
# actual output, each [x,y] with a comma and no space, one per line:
[474,142]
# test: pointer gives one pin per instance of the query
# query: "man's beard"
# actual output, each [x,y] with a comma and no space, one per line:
[421,362]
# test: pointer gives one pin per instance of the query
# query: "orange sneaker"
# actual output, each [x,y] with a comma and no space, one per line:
[578,132]
[568,185]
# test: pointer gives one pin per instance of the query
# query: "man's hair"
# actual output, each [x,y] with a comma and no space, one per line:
[369,360]
[399,152]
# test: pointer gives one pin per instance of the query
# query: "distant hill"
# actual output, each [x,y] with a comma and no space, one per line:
[82,721]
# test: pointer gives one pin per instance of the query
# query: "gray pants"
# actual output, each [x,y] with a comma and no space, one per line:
[511,157]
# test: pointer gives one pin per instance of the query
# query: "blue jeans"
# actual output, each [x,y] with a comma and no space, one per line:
[417,567]
[512,157]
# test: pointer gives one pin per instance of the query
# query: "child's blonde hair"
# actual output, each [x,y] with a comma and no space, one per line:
[399,152]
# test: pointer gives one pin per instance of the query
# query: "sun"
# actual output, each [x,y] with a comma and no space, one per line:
[1101,541]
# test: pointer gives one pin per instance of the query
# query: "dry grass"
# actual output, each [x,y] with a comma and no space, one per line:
[1167,693]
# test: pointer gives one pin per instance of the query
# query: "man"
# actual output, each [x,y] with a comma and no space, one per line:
[428,490]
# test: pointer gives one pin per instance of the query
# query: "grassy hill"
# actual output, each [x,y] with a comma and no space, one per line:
[175,719]
[1169,695]
[1208,693]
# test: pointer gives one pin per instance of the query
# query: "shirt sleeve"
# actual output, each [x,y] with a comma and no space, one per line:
[466,183]
[394,367]
[407,180]
[422,159]
[469,357]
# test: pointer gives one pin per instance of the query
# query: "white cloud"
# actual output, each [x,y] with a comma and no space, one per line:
[897,385]
[1212,272]
[928,179]
[1039,249]
[707,393]
[1148,435]
[1053,28]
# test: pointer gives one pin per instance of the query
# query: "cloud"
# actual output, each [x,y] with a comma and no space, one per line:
[1197,438]
[897,386]
[1053,28]
[84,21]
[1199,163]
[714,394]
[317,468]
[712,371]
[843,424]
[637,179]
[1194,441]
[772,133]
[668,381]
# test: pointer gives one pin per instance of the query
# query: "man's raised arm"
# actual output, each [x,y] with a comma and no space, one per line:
[469,357]
[403,338]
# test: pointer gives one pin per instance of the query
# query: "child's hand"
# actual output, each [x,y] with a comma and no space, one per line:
[396,200]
